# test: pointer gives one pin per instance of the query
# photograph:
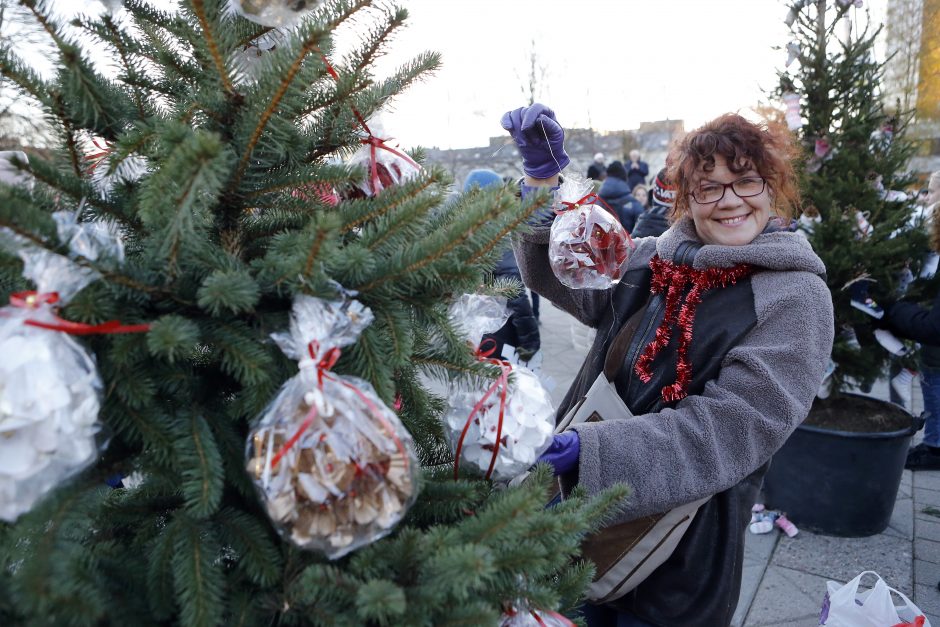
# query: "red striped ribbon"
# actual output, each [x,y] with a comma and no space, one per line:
[34,300]
[501,384]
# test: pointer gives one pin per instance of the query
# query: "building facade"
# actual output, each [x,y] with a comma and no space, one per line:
[652,139]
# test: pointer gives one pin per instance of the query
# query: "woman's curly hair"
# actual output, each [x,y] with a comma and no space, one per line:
[768,148]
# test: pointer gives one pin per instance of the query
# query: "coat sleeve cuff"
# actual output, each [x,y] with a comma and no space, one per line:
[542,219]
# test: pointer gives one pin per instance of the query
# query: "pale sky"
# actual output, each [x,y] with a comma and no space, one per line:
[610,64]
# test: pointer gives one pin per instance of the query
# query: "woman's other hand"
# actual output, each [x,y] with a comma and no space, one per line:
[563,452]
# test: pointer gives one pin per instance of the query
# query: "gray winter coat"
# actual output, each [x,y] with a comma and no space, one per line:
[718,440]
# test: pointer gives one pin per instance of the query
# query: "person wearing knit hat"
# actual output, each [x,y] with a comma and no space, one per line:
[481,178]
[663,192]
[655,220]
[522,329]
[615,191]
[597,171]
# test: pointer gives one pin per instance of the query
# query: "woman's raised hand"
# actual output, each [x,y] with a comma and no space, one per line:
[540,139]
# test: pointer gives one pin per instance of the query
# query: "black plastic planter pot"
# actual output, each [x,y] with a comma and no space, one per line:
[839,483]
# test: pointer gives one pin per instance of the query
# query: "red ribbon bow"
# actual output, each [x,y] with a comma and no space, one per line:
[374,144]
[563,620]
[501,384]
[590,199]
[673,279]
[373,141]
[34,300]
[96,158]
[327,361]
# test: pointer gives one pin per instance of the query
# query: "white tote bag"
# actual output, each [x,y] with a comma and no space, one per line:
[845,606]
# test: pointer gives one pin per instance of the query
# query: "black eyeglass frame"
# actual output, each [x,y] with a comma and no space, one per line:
[725,187]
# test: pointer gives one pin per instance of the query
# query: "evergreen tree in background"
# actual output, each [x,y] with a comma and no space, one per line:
[837,80]
[218,241]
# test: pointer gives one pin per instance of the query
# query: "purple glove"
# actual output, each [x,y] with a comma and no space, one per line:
[541,140]
[563,452]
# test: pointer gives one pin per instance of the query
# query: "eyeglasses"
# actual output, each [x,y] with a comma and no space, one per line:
[709,192]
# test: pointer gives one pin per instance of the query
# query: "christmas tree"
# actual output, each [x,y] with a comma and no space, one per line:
[856,214]
[220,152]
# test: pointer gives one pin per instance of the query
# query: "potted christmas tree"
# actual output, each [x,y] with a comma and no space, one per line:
[201,195]
[839,472]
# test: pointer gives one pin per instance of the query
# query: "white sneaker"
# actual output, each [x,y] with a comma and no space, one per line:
[891,343]
[870,307]
[903,385]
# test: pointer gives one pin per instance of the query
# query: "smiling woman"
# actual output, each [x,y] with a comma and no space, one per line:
[696,340]
[753,162]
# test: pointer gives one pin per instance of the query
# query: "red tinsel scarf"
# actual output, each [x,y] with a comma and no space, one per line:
[673,279]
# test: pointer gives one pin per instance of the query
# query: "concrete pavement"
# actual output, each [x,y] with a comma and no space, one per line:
[785,578]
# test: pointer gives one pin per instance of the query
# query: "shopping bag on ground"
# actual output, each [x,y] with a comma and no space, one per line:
[846,606]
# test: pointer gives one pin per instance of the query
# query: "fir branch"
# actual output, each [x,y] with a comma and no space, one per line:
[198,456]
[122,52]
[200,11]
[440,363]
[311,44]
[385,208]
[70,143]
[13,69]
[75,188]
[166,57]
[442,251]
[160,573]
[35,239]
[197,577]
[506,230]
[47,26]
[368,56]
[314,250]
[258,556]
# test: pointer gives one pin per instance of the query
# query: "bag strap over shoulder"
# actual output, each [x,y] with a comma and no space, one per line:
[617,352]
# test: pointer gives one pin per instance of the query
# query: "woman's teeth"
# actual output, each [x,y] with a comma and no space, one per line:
[732,221]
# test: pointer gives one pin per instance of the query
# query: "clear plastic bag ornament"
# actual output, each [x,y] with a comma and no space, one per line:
[499,430]
[50,390]
[274,13]
[384,165]
[334,466]
[588,247]
[254,57]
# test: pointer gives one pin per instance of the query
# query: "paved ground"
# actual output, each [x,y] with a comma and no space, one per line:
[785,578]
